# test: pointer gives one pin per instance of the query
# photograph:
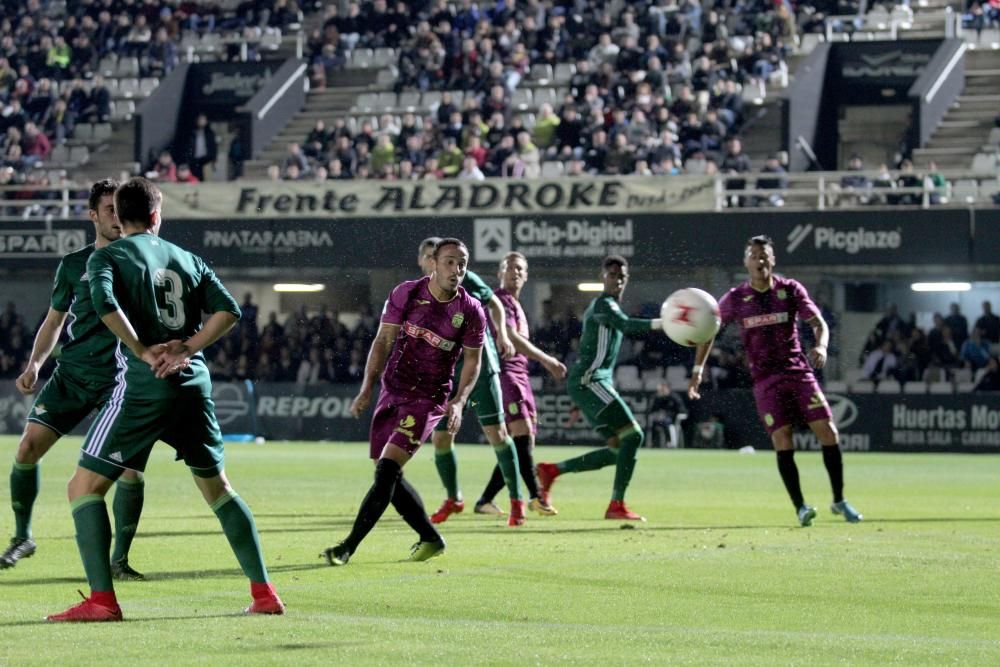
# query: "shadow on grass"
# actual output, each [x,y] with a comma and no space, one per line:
[169,576]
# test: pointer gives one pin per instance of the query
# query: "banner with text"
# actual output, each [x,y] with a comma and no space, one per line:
[374,199]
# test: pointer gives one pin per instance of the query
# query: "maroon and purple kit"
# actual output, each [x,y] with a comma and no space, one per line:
[784,386]
[416,382]
[518,398]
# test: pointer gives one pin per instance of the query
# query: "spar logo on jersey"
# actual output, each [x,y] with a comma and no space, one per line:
[844,410]
[764,320]
[428,336]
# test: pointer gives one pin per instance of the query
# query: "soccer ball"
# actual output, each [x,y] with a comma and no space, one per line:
[690,316]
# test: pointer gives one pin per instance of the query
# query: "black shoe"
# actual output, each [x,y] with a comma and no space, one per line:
[121,571]
[20,547]
[338,555]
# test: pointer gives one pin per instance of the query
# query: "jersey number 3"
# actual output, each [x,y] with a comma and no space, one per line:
[169,298]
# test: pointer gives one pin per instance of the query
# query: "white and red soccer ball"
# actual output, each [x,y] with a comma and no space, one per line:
[690,316]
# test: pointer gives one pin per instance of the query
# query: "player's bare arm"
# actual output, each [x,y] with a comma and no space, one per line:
[45,342]
[698,370]
[378,356]
[821,332]
[175,355]
[524,346]
[505,347]
[471,361]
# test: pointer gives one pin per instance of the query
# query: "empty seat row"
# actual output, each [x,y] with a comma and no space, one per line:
[521,99]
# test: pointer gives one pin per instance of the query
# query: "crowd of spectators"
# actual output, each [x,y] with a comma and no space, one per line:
[657,87]
[50,56]
[898,349]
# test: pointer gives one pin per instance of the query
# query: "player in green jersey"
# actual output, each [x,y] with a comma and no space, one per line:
[152,294]
[591,388]
[486,399]
[81,383]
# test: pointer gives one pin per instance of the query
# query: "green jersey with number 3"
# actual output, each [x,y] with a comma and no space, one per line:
[163,291]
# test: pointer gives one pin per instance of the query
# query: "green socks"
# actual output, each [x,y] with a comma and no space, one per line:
[241,531]
[447,465]
[507,458]
[595,460]
[93,539]
[24,481]
[628,445]
[127,506]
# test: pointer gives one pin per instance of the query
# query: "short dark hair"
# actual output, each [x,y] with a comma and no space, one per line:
[135,201]
[513,254]
[449,241]
[429,242]
[760,239]
[614,260]
[105,186]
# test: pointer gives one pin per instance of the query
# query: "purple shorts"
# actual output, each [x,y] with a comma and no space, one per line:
[518,400]
[795,400]
[405,422]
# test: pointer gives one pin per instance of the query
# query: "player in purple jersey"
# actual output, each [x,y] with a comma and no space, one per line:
[766,308]
[520,414]
[426,325]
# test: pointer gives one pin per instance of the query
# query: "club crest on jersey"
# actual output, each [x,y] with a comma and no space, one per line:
[512,408]
[457,319]
[40,409]
[407,422]
[782,294]
[748,297]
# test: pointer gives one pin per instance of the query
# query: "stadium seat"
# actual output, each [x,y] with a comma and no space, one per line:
[211,42]
[915,387]
[366,103]
[60,154]
[128,88]
[386,78]
[563,73]
[962,374]
[994,139]
[888,387]
[863,386]
[553,169]
[852,375]
[83,133]
[362,58]
[965,190]
[543,95]
[127,67]
[520,99]
[408,101]
[941,388]
[270,40]
[984,162]
[541,74]
[651,384]
[458,97]
[102,132]
[652,374]
[536,382]
[147,85]
[835,387]
[386,102]
[108,65]
[965,387]
[79,155]
[809,42]
[384,57]
[677,376]
[431,100]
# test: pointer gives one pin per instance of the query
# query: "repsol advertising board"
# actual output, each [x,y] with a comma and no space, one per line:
[874,422]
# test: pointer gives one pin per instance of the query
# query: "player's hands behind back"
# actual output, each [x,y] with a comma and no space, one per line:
[167,358]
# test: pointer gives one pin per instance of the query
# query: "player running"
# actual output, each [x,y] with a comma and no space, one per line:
[426,326]
[486,399]
[82,382]
[152,294]
[520,414]
[766,308]
[592,390]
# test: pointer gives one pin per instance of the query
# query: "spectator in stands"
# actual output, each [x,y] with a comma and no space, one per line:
[957,323]
[881,363]
[35,145]
[296,158]
[58,122]
[777,182]
[944,352]
[891,324]
[450,157]
[907,180]
[854,185]
[975,351]
[184,174]
[138,37]
[989,324]
[161,56]
[164,169]
[98,108]
[666,406]
[201,148]
[470,170]
[990,380]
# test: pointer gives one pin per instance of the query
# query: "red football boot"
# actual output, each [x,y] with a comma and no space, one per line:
[448,507]
[87,611]
[265,600]
[617,510]
[547,473]
[516,517]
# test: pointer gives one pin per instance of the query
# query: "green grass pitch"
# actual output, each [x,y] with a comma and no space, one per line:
[721,573]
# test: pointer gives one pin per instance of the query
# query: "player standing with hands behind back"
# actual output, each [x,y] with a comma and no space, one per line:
[766,308]
[152,295]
